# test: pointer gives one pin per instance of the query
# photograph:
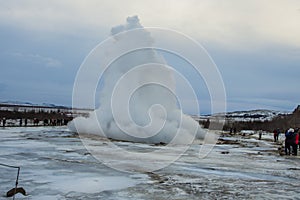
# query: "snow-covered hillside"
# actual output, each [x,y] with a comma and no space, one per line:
[245,116]
[21,103]
[253,115]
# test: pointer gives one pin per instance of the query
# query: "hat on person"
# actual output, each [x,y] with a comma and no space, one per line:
[291,130]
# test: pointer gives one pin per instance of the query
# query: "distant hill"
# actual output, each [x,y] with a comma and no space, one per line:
[267,120]
[254,115]
[21,103]
[17,103]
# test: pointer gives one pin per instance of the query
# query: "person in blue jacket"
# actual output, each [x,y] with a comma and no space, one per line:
[288,141]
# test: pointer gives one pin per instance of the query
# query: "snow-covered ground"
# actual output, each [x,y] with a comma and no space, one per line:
[55,165]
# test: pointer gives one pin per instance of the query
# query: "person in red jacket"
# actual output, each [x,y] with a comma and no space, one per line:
[299,140]
[295,141]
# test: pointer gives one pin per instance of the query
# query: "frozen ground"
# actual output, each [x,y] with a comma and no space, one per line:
[55,165]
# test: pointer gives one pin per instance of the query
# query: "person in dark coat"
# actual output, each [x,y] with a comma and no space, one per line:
[4,122]
[259,134]
[275,135]
[288,141]
[278,133]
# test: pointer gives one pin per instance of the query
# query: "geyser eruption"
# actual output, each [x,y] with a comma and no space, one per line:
[137,94]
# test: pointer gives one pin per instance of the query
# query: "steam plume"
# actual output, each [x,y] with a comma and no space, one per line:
[137,98]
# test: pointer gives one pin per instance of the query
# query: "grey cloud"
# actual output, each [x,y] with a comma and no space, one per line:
[235,24]
[40,60]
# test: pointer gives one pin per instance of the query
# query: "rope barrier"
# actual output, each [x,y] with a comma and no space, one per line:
[17,180]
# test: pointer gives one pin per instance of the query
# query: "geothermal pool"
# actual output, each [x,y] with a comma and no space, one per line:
[55,165]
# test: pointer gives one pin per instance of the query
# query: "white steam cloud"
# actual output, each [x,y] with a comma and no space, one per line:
[137,99]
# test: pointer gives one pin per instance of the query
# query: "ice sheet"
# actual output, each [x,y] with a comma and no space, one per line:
[55,165]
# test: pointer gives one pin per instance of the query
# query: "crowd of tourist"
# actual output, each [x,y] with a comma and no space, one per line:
[34,122]
[292,141]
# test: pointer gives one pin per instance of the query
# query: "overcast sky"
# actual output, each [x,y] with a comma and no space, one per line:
[254,43]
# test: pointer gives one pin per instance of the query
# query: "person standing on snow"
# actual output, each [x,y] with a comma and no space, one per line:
[3,121]
[278,133]
[296,142]
[299,139]
[288,141]
[275,135]
[259,134]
